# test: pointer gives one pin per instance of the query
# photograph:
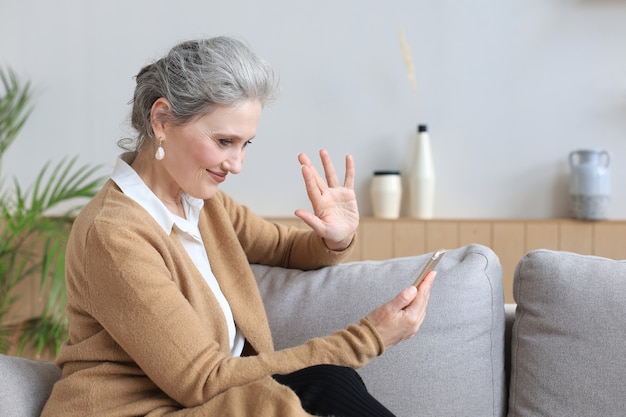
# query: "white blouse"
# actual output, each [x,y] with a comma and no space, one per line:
[187,231]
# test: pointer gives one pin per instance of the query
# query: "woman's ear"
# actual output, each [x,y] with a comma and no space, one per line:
[159,115]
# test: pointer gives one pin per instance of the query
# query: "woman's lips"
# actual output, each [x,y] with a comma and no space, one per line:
[218,177]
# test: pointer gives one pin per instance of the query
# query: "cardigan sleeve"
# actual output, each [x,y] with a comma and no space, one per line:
[269,243]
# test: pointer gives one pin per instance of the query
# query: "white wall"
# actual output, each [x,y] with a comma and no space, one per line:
[508,89]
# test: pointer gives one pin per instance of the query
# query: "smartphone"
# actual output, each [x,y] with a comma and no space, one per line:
[430,265]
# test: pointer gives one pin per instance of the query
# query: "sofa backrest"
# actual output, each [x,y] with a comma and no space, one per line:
[455,364]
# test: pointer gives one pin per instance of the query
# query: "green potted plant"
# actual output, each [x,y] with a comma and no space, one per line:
[34,225]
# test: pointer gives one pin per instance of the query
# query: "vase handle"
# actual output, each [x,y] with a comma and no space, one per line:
[572,160]
[607,158]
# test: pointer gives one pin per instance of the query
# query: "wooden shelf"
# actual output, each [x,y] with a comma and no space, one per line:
[510,239]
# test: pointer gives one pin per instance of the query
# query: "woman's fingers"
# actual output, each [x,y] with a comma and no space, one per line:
[400,318]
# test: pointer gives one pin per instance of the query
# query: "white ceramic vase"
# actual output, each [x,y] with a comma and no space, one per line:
[421,177]
[386,194]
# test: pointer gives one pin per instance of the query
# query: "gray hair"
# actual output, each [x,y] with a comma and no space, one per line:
[196,75]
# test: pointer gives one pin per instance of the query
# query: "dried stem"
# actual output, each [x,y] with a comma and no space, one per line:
[406,52]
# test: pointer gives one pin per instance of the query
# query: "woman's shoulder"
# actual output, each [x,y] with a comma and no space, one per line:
[111,206]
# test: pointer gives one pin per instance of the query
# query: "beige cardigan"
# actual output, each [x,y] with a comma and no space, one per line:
[147,337]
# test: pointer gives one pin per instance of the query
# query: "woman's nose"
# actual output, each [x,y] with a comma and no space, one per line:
[234,163]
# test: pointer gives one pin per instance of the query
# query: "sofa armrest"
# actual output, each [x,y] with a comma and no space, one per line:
[25,385]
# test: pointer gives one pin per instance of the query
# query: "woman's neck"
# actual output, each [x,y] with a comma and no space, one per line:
[157,179]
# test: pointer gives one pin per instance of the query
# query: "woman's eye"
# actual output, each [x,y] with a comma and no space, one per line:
[229,142]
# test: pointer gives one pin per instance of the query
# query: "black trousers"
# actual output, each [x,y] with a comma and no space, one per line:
[328,390]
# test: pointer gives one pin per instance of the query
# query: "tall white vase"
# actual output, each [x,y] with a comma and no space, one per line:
[421,177]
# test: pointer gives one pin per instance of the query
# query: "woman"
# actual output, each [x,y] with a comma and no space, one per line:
[165,315]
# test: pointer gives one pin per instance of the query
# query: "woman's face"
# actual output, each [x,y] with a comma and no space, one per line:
[200,154]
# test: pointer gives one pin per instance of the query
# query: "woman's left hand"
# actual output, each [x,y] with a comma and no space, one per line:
[335,215]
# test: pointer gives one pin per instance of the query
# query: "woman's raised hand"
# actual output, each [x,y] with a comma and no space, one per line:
[335,215]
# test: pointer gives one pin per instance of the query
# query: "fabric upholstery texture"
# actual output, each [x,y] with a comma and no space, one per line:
[25,385]
[568,339]
[455,364]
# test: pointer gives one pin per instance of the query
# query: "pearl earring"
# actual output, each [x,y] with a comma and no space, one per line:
[160,153]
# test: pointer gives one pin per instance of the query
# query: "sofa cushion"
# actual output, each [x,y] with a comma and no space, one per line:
[568,353]
[25,385]
[454,366]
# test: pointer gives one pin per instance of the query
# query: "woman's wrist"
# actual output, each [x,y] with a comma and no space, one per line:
[339,246]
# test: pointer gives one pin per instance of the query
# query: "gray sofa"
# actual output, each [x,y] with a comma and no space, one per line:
[562,346]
